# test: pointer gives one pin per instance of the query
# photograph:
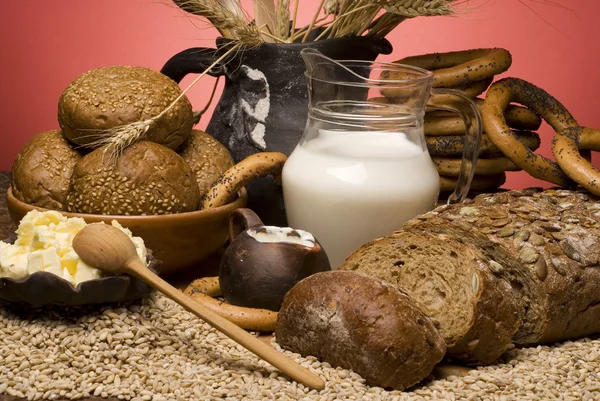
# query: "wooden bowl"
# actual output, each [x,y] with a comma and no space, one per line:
[180,240]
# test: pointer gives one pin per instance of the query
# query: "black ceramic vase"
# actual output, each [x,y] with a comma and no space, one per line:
[264,104]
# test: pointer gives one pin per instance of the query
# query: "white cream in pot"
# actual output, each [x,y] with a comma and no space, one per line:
[282,235]
[348,188]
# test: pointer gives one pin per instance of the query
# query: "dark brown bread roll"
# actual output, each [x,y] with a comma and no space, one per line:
[453,283]
[147,179]
[112,96]
[207,157]
[361,323]
[555,236]
[42,171]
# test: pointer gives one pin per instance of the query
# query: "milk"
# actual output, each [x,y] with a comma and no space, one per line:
[347,188]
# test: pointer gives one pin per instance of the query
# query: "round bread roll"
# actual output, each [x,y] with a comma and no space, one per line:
[207,157]
[361,323]
[42,170]
[147,179]
[112,96]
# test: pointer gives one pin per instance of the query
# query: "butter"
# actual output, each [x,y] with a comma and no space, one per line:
[45,243]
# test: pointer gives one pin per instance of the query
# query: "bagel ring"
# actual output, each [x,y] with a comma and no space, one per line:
[454,145]
[439,122]
[473,89]
[480,183]
[542,103]
[566,146]
[454,69]
[450,167]
[233,179]
[204,290]
[448,123]
[455,125]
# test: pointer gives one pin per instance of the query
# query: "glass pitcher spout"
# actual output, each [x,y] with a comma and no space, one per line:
[355,80]
[325,69]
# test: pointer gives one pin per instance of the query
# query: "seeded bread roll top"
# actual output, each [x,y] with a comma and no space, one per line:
[207,157]
[147,179]
[42,170]
[112,96]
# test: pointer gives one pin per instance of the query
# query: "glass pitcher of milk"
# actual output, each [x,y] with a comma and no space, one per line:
[361,168]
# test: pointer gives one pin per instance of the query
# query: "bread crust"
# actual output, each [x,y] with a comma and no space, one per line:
[360,323]
[207,157]
[494,312]
[555,236]
[42,171]
[108,97]
[147,179]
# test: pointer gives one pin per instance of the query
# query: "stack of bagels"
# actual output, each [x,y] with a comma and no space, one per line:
[509,141]
[470,72]
[170,168]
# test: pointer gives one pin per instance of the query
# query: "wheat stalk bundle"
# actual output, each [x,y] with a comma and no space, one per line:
[275,21]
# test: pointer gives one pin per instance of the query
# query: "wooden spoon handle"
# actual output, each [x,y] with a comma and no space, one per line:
[264,351]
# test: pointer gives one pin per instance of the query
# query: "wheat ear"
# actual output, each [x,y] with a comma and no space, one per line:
[117,139]
[228,23]
[419,8]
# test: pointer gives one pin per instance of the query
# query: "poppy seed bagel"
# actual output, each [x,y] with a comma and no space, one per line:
[147,179]
[108,97]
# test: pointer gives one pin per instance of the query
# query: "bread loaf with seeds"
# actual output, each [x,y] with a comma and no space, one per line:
[555,236]
[112,96]
[453,282]
[147,179]
[41,173]
[207,157]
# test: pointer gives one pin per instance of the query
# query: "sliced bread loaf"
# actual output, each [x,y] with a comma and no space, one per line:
[453,283]
[555,236]
[360,323]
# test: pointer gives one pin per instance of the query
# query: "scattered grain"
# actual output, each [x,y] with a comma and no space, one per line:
[155,350]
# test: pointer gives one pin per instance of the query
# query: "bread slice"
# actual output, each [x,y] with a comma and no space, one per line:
[453,283]
[360,323]
[555,237]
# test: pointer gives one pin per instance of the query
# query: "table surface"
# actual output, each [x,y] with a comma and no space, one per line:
[210,265]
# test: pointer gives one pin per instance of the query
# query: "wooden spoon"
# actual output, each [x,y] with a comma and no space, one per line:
[111,250]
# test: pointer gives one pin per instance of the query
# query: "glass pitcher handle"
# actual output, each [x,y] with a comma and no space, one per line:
[455,101]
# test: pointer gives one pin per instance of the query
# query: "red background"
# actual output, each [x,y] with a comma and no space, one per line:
[47,44]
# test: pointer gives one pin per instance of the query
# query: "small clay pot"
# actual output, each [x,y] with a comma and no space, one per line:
[263,263]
